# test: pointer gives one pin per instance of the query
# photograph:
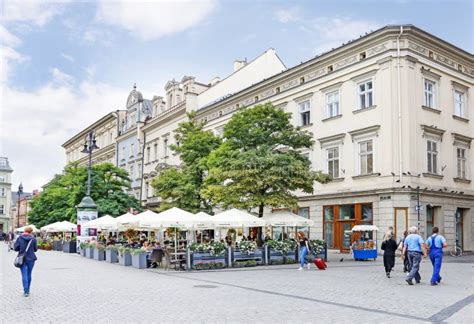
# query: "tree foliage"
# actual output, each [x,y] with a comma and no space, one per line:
[260,163]
[181,187]
[65,191]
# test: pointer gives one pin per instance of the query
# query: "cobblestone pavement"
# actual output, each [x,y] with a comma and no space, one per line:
[71,289]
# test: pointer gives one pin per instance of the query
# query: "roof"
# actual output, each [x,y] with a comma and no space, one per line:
[5,167]
[334,51]
[22,196]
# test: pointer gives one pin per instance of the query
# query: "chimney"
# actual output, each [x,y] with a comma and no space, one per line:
[238,64]
[215,81]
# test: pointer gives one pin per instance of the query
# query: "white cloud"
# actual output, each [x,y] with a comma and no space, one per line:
[36,123]
[150,19]
[287,15]
[332,32]
[61,78]
[67,57]
[38,12]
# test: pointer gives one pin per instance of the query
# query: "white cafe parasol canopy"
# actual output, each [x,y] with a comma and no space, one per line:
[106,222]
[364,228]
[63,226]
[22,229]
[286,218]
[175,217]
[236,218]
[127,220]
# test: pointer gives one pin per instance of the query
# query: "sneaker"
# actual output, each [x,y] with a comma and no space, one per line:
[300,268]
[26,294]
[409,282]
[308,266]
[418,281]
[439,280]
[434,284]
[388,274]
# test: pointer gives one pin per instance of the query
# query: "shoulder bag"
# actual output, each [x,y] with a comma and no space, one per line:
[20,259]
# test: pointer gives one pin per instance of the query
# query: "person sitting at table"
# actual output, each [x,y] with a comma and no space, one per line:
[252,236]
[228,239]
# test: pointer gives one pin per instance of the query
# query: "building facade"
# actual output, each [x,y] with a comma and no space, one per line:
[5,195]
[19,216]
[390,115]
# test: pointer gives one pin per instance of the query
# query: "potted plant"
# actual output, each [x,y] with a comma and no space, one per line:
[70,246]
[83,246]
[90,251]
[124,256]
[139,258]
[111,253]
[99,252]
[318,248]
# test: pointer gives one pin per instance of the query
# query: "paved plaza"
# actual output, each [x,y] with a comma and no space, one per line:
[72,289]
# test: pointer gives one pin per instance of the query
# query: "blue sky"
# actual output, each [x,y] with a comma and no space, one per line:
[65,64]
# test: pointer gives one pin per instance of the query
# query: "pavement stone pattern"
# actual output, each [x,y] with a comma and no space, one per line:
[71,289]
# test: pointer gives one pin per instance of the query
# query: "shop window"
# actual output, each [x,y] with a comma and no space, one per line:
[328,233]
[346,212]
[304,212]
[366,213]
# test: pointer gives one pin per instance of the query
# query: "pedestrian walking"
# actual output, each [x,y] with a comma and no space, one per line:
[303,250]
[389,246]
[436,243]
[26,245]
[404,257]
[415,248]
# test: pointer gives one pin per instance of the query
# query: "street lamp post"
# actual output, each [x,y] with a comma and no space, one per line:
[89,146]
[20,191]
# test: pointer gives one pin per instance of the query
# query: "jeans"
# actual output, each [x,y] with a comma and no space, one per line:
[414,258]
[436,260]
[26,270]
[303,253]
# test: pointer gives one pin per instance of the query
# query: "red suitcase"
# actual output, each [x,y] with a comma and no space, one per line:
[320,264]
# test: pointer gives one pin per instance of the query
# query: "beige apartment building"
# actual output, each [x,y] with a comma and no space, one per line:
[5,195]
[106,131]
[391,117]
[390,113]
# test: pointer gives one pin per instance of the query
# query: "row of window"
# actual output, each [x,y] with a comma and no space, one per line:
[365,159]
[431,97]
[3,192]
[333,107]
[2,209]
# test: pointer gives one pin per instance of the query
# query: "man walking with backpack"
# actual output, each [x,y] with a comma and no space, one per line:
[415,248]
[436,243]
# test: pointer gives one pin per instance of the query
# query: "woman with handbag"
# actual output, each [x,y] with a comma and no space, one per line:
[26,247]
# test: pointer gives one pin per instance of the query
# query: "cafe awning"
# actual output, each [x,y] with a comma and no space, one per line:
[106,222]
[286,218]
[177,218]
[236,218]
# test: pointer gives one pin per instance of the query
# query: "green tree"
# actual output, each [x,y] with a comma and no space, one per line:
[60,196]
[181,187]
[260,162]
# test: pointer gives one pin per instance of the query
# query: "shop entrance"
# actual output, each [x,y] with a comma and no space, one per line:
[343,238]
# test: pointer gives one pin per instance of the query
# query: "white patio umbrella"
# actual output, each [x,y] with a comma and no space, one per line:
[126,220]
[50,227]
[173,217]
[22,229]
[106,222]
[66,226]
[236,218]
[286,218]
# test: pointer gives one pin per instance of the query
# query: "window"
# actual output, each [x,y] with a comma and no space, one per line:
[332,104]
[429,219]
[139,170]
[328,234]
[366,213]
[330,68]
[429,94]
[461,162]
[3,162]
[366,157]
[432,156]
[2,179]
[302,80]
[304,111]
[362,56]
[132,149]
[146,189]
[365,94]
[155,151]
[459,104]
[123,152]
[2,192]
[277,90]
[333,162]
[132,175]
[346,212]
[148,151]
[256,98]
[304,212]
[2,209]
[165,147]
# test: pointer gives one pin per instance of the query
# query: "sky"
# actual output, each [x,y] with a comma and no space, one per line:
[65,64]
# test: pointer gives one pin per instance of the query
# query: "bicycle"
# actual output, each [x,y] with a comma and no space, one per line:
[456,250]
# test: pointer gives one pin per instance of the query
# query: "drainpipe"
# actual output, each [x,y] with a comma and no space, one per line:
[116,115]
[400,153]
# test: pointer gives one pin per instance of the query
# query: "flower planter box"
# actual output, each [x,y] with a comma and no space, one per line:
[83,252]
[57,245]
[125,259]
[99,255]
[69,247]
[206,261]
[275,257]
[90,252]
[111,256]
[257,256]
[245,263]
[291,257]
[139,260]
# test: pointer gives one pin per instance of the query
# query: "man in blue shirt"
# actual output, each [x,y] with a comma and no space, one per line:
[436,243]
[415,248]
